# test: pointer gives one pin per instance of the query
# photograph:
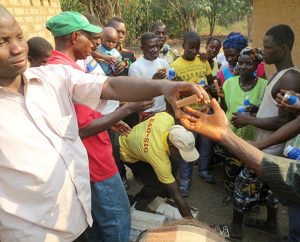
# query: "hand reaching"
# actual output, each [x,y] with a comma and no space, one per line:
[121,128]
[284,104]
[137,107]
[212,126]
[159,75]
[174,90]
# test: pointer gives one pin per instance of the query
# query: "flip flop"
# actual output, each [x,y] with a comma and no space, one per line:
[224,230]
[261,224]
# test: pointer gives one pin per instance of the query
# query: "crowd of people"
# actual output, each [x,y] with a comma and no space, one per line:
[87,110]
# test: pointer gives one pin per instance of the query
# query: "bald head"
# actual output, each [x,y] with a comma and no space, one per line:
[109,38]
[4,13]
[109,32]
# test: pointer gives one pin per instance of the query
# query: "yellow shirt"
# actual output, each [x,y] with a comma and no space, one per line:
[147,142]
[191,71]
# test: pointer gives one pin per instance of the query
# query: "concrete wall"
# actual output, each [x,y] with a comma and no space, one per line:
[267,13]
[33,14]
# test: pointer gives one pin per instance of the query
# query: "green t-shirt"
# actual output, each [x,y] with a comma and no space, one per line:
[234,97]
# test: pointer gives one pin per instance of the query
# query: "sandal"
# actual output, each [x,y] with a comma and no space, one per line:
[224,230]
[261,224]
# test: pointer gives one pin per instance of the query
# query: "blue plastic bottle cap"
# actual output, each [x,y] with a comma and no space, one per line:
[292,100]
[246,102]
[202,83]
[241,109]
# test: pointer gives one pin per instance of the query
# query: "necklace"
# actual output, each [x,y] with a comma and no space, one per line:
[248,85]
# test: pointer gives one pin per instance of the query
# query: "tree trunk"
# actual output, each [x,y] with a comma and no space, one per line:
[212,22]
[103,10]
[191,25]
[249,26]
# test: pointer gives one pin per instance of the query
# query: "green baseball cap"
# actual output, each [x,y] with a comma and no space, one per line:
[69,22]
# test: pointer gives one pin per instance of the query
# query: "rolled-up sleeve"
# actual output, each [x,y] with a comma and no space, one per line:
[283,177]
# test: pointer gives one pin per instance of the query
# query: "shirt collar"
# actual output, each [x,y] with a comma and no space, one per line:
[58,57]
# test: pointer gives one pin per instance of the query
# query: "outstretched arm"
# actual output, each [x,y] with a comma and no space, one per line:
[287,131]
[134,89]
[216,127]
[283,134]
[100,124]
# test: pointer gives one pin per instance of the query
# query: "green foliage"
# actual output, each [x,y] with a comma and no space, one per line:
[140,15]
[73,5]
[178,15]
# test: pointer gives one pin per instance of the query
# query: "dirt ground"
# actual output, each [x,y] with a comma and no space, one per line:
[207,198]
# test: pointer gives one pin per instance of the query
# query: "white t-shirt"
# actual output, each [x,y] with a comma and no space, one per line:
[146,69]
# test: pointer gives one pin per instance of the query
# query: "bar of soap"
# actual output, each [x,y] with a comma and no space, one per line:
[164,70]
[187,101]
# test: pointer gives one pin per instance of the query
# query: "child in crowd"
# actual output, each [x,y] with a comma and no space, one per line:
[108,47]
[213,46]
[190,68]
[39,51]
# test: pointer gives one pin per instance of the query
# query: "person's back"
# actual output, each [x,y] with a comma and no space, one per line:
[141,145]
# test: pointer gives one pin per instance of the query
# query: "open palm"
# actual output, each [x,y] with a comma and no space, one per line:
[212,126]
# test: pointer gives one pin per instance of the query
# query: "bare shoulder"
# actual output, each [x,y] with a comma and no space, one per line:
[290,80]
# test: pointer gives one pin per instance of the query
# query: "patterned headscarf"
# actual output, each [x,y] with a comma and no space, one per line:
[255,54]
[235,40]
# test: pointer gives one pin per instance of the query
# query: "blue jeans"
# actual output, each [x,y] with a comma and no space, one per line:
[114,138]
[205,147]
[185,174]
[110,211]
[294,224]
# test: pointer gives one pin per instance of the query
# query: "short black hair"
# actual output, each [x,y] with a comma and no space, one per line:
[156,25]
[147,36]
[38,47]
[192,35]
[211,39]
[92,19]
[112,22]
[282,34]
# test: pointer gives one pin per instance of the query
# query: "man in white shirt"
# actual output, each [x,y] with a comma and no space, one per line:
[149,65]
[44,188]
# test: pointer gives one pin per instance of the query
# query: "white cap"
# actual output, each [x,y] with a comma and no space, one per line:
[184,141]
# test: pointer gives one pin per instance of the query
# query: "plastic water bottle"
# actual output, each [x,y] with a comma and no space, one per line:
[202,82]
[246,102]
[292,152]
[241,109]
[171,74]
[291,99]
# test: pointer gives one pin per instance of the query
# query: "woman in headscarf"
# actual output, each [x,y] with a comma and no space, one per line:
[232,46]
[247,188]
